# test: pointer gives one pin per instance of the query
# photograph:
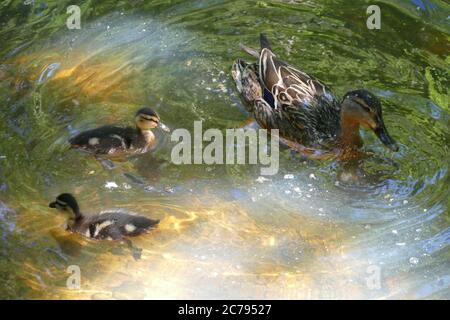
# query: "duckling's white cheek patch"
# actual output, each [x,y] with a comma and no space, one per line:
[130,227]
[94,141]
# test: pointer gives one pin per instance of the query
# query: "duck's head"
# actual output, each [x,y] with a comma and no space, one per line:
[147,119]
[247,81]
[66,202]
[364,108]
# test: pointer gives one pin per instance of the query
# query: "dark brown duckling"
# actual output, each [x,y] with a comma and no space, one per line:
[117,141]
[108,225]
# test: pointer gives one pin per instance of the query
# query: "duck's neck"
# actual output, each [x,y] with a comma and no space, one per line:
[76,214]
[149,136]
[74,220]
[349,137]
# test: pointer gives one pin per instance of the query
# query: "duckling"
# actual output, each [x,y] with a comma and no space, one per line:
[303,109]
[112,225]
[117,141]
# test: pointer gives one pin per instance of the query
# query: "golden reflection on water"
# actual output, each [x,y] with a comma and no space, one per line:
[221,251]
[85,76]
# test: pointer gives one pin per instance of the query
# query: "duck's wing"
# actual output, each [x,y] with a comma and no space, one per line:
[102,228]
[310,108]
[288,85]
[103,139]
[127,224]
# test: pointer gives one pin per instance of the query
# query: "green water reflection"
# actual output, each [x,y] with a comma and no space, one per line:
[224,233]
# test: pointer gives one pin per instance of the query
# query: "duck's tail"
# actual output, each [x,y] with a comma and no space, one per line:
[264,42]
[144,223]
[139,225]
[254,52]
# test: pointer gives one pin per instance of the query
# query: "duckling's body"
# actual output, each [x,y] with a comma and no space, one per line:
[303,109]
[108,225]
[113,140]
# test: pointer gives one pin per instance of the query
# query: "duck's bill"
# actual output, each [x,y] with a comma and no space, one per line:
[163,127]
[52,204]
[384,137]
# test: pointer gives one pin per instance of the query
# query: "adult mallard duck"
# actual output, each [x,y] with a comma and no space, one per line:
[117,141]
[108,225]
[306,113]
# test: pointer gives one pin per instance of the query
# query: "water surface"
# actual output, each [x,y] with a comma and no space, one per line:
[225,232]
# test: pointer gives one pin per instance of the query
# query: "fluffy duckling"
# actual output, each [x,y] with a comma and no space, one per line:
[116,141]
[112,225]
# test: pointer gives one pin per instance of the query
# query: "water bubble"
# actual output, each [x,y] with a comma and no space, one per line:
[413,260]
[169,189]
[111,185]
[126,186]
[149,189]
[261,179]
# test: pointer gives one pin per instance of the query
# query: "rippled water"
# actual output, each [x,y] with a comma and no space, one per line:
[307,232]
